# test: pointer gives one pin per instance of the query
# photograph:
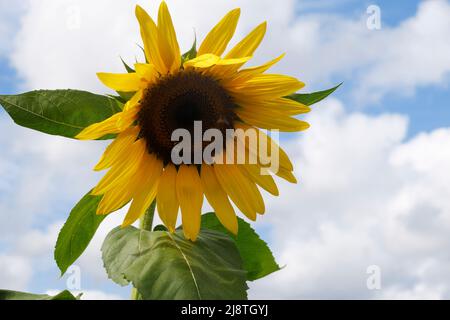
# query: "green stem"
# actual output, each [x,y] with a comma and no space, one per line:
[146,223]
[147,218]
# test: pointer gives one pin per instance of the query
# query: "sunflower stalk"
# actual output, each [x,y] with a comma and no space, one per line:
[146,223]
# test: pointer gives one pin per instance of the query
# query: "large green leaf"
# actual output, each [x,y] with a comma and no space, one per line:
[77,232]
[15,295]
[164,266]
[312,98]
[256,256]
[59,112]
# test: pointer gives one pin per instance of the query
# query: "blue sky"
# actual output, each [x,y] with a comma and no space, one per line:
[372,148]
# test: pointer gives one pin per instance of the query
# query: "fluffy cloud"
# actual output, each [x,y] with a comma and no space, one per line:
[33,167]
[16,272]
[82,37]
[9,22]
[366,198]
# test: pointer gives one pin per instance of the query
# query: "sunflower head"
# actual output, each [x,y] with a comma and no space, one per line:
[169,94]
[179,100]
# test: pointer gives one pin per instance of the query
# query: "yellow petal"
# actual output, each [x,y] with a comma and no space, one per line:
[229,62]
[125,168]
[117,148]
[275,107]
[270,146]
[101,129]
[117,197]
[146,190]
[217,40]
[262,120]
[139,205]
[134,101]
[190,196]
[225,68]
[217,65]
[265,180]
[166,199]
[125,82]
[146,71]
[240,189]
[249,44]
[268,86]
[202,61]
[247,74]
[127,119]
[245,48]
[150,37]
[168,43]
[113,200]
[286,175]
[218,199]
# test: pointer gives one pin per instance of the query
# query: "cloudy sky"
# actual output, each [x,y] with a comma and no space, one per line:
[374,167]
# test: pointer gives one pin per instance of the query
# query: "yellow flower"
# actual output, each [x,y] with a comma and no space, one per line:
[170,94]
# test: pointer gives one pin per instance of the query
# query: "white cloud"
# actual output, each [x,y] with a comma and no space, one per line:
[9,22]
[90,38]
[91,262]
[319,47]
[412,55]
[419,292]
[41,175]
[16,272]
[366,198]
[37,243]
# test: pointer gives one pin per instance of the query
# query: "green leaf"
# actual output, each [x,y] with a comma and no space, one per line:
[59,112]
[256,256]
[127,67]
[77,232]
[118,98]
[160,227]
[312,98]
[165,266]
[191,54]
[126,96]
[143,51]
[15,295]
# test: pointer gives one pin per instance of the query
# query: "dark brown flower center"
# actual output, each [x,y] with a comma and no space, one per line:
[177,102]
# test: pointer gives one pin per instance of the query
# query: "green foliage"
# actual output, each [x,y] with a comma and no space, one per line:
[59,112]
[312,98]
[127,67]
[256,256]
[164,266]
[77,232]
[191,54]
[15,295]
[125,96]
[160,227]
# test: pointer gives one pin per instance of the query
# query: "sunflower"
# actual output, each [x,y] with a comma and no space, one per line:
[168,93]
